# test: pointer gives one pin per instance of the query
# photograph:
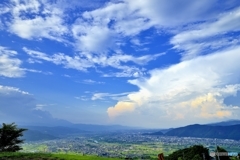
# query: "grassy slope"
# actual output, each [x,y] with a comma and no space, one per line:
[46,156]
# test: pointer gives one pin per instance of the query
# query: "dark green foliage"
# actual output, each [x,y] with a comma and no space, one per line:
[197,157]
[9,137]
[192,153]
[221,150]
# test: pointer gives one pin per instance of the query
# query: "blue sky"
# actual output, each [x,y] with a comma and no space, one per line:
[149,63]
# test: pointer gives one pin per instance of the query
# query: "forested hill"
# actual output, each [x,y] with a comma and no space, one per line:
[206,131]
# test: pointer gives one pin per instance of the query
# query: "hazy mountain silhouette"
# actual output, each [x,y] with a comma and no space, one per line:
[36,133]
[225,123]
[33,135]
[206,131]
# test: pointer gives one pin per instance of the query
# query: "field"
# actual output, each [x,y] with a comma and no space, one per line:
[47,156]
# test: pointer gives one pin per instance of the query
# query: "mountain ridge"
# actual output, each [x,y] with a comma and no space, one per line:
[205,131]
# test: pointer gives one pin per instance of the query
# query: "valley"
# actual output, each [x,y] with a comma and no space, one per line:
[125,144]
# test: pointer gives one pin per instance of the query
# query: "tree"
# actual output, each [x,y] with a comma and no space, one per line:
[195,152]
[222,150]
[10,137]
[197,157]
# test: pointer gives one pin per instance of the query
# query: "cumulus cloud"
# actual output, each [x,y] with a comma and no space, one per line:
[37,19]
[120,108]
[93,38]
[192,90]
[10,66]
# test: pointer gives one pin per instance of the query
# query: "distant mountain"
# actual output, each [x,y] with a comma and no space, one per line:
[37,133]
[32,135]
[225,123]
[58,131]
[100,128]
[158,132]
[207,131]
[50,122]
[165,130]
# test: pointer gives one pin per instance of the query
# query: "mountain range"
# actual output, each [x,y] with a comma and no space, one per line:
[36,133]
[222,130]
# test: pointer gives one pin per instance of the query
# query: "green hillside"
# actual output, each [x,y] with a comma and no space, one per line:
[48,156]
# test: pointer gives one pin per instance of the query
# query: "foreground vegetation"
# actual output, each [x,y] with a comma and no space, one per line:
[10,137]
[196,152]
[48,156]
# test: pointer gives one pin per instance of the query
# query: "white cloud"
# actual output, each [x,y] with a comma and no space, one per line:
[106,28]
[9,90]
[93,38]
[99,96]
[192,90]
[100,34]
[120,108]
[9,65]
[34,19]
[212,35]
[3,10]
[117,96]
[83,62]
[90,81]
[76,4]
[103,29]
[169,14]
[60,59]
[126,72]
[82,98]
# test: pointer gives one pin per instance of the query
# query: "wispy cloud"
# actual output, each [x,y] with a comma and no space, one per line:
[10,66]
[118,61]
[83,98]
[60,59]
[8,90]
[213,35]
[118,96]
[90,81]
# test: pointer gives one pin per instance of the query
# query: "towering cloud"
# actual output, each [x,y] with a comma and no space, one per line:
[192,90]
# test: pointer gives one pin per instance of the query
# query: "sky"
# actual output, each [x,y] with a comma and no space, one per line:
[143,63]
